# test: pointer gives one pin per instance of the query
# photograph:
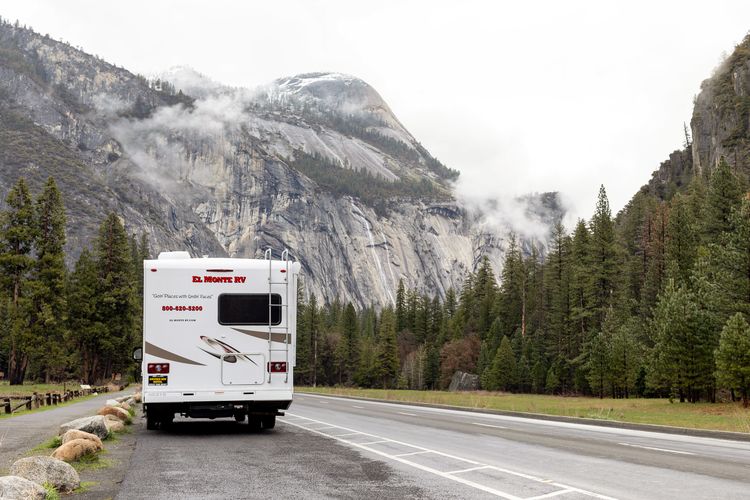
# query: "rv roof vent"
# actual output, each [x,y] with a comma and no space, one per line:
[173,255]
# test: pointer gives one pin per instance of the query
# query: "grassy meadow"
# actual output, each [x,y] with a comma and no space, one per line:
[712,416]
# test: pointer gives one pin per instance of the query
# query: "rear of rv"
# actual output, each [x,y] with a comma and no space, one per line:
[219,338]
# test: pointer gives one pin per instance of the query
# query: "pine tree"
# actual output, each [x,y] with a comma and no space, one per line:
[736,259]
[682,357]
[723,197]
[580,293]
[431,375]
[681,242]
[597,362]
[48,290]
[655,245]
[625,356]
[557,285]
[367,374]
[303,363]
[733,357]
[314,324]
[538,377]
[116,298]
[503,371]
[603,260]
[87,332]
[351,339]
[485,289]
[387,356]
[400,306]
[17,237]
[511,299]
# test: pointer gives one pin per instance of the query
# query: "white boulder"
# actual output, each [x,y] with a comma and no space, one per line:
[19,488]
[60,475]
[94,425]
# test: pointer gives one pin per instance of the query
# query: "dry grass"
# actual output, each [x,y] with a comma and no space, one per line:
[713,416]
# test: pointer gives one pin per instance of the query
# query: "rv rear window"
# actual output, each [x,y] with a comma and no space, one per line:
[248,309]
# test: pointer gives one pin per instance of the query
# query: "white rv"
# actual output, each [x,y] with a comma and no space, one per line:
[218,338]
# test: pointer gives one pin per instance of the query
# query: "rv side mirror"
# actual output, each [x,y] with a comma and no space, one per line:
[138,354]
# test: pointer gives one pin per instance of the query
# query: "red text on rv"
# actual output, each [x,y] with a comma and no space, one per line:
[219,279]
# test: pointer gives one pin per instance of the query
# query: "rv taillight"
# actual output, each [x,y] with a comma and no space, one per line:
[153,269]
[283,270]
[277,366]
[158,367]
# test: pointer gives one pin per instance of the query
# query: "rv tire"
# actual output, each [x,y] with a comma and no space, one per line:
[253,424]
[151,422]
[268,421]
[239,417]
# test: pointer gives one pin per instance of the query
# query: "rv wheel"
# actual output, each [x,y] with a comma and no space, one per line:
[151,422]
[253,424]
[239,417]
[269,421]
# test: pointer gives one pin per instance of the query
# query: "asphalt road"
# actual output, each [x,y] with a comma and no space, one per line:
[339,448]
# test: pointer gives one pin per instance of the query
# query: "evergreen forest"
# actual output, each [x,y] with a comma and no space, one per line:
[653,302]
[57,324]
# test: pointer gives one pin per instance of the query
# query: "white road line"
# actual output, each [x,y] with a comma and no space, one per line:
[552,494]
[656,449]
[375,442]
[436,472]
[412,453]
[469,470]
[347,434]
[323,402]
[489,425]
[360,407]
[407,414]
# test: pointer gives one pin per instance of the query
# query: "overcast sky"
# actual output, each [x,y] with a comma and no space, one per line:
[519,96]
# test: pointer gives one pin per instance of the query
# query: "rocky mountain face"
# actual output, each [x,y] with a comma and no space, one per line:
[316,163]
[721,117]
[720,127]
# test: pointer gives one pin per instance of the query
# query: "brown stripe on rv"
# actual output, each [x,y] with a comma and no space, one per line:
[163,353]
[275,337]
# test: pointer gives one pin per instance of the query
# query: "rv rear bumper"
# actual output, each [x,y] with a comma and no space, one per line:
[248,395]
[214,409]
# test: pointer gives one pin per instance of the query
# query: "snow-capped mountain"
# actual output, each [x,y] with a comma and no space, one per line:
[317,163]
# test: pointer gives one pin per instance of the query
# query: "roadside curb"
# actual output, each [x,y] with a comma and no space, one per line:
[685,431]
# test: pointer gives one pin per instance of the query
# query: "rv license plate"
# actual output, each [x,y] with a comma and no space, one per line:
[157,380]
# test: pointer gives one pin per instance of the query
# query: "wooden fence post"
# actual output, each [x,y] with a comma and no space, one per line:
[6,404]
[28,402]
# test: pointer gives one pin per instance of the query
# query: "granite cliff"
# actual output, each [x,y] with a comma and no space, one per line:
[317,163]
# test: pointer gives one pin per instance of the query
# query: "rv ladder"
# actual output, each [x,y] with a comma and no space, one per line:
[284,306]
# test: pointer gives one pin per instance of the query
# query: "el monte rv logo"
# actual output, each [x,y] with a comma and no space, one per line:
[219,279]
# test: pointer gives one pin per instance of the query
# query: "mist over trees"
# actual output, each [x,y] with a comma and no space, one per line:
[652,302]
[55,324]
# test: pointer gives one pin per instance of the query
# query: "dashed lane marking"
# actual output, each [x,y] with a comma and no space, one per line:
[402,458]
[656,449]
[552,494]
[412,453]
[360,407]
[489,425]
[407,414]
[469,469]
